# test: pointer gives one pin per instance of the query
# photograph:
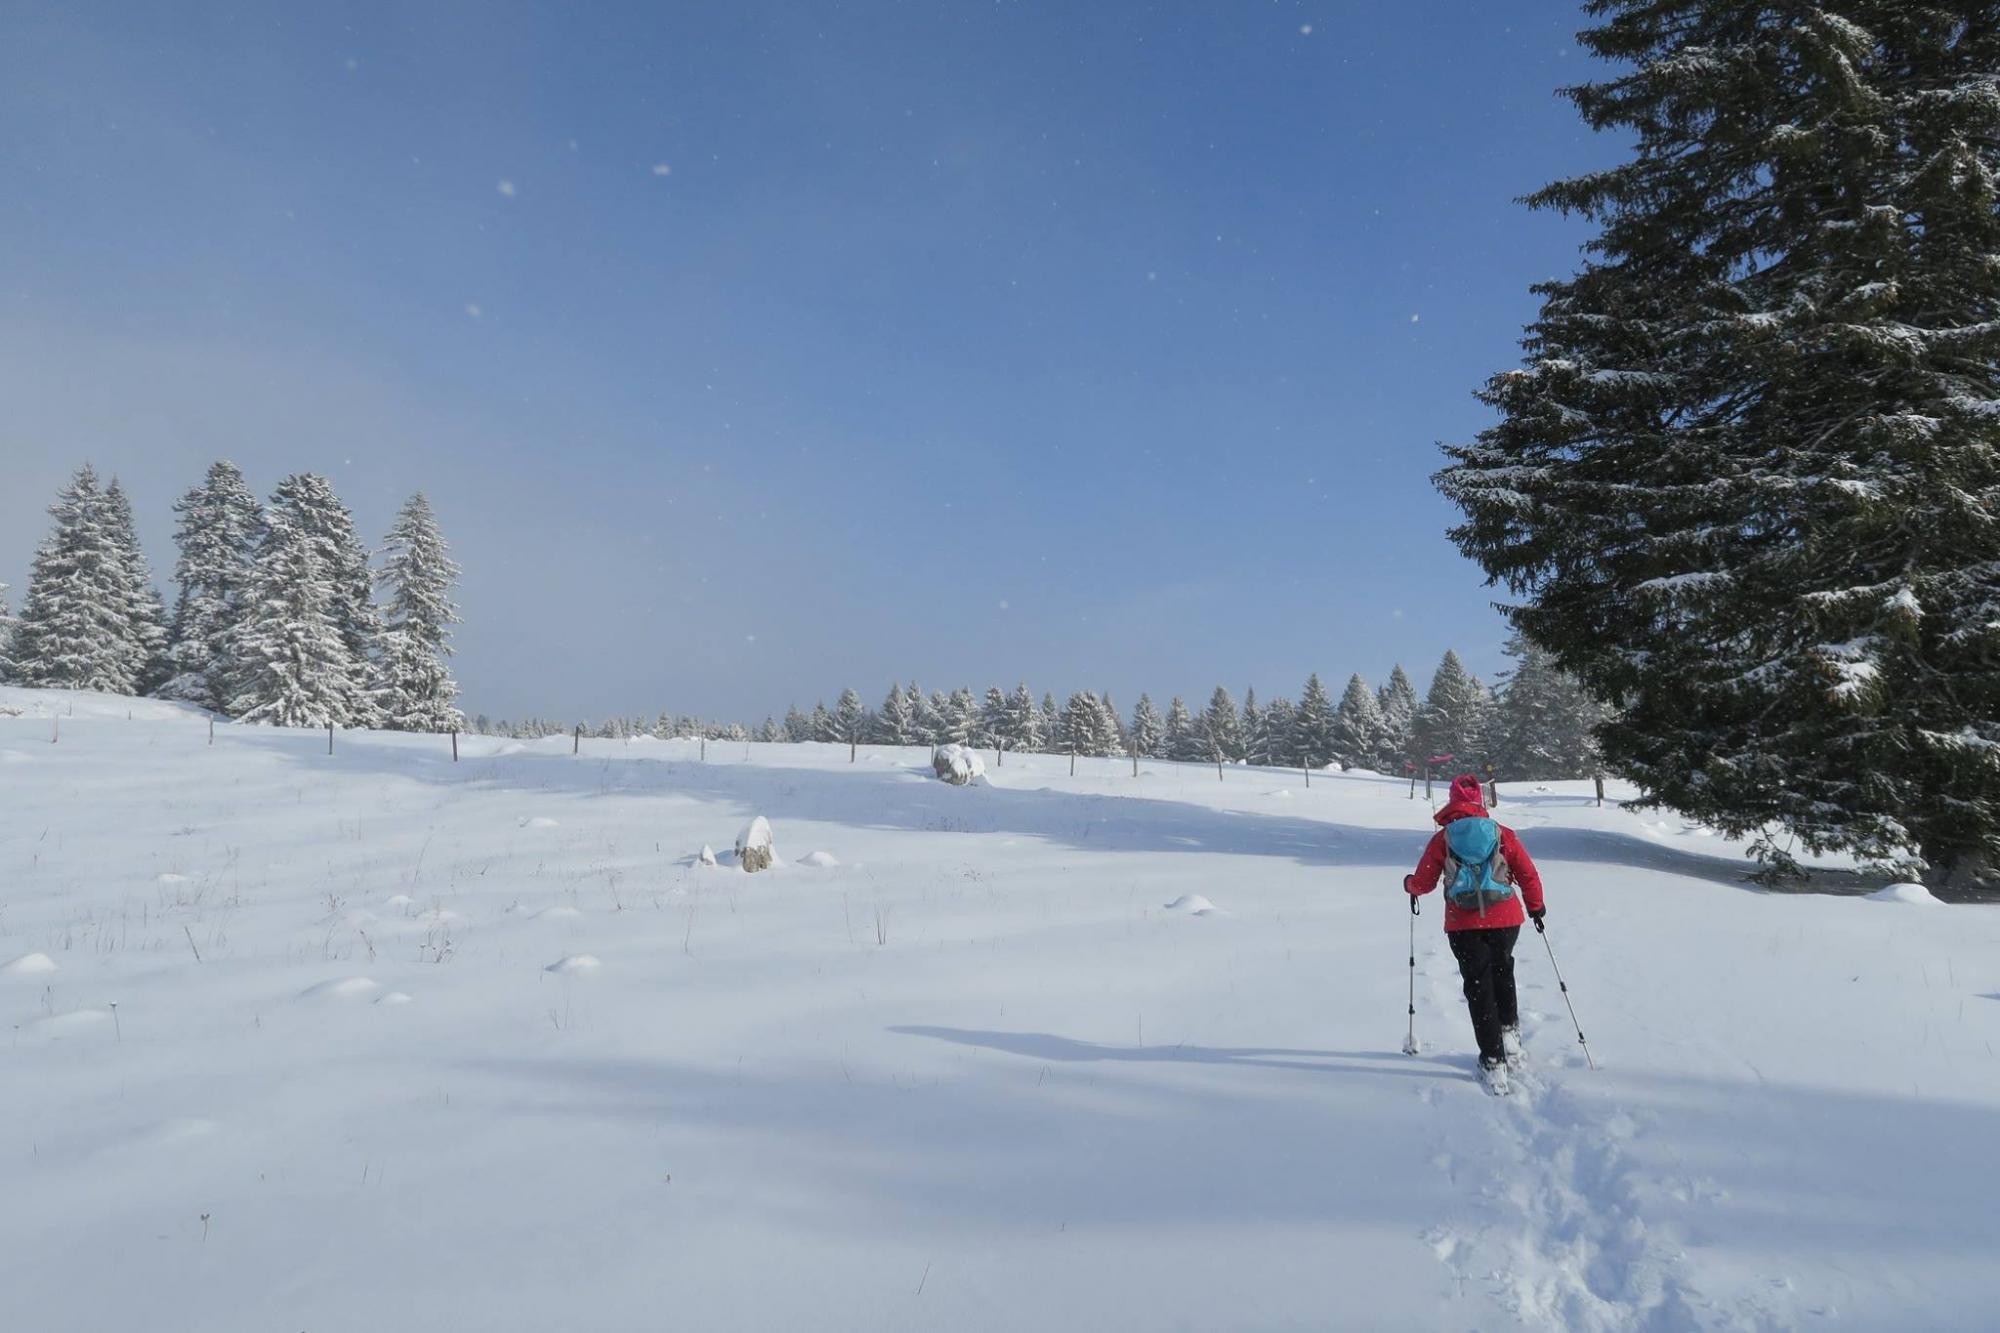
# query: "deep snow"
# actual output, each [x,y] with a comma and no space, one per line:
[379,1041]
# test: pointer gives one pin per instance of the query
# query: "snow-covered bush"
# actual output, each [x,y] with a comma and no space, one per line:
[957,764]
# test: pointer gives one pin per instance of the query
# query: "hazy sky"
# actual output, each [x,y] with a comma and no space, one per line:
[747,350]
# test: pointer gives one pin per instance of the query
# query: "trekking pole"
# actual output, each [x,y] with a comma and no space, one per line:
[1564,987]
[1410,1041]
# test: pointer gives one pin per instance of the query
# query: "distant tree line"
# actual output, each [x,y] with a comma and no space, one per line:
[275,616]
[1537,726]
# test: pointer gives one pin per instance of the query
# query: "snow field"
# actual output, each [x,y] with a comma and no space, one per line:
[1054,1052]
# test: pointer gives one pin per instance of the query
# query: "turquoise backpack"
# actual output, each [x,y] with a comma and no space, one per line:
[1475,874]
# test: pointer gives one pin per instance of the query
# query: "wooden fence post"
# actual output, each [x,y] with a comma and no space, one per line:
[211,731]
[329,738]
[1072,761]
[1600,788]
[576,741]
[1135,763]
[454,745]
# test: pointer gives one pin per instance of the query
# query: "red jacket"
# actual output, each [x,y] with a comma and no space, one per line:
[1527,880]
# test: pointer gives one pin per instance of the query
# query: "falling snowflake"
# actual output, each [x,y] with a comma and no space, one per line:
[472,309]
[506,188]
[1414,318]
[1305,30]
[662,169]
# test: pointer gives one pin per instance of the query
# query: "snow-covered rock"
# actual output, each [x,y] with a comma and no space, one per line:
[1192,904]
[706,856]
[822,859]
[754,848]
[574,965]
[958,764]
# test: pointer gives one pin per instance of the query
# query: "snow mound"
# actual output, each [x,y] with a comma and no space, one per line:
[171,878]
[958,764]
[56,1024]
[67,704]
[30,965]
[574,964]
[15,757]
[706,856]
[342,988]
[399,900]
[557,913]
[1904,893]
[1191,903]
[754,848]
[539,821]
[395,997]
[819,859]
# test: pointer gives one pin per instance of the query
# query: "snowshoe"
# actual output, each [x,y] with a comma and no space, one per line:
[1510,1042]
[1493,1077]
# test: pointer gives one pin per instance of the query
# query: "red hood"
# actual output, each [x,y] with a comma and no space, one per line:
[1466,800]
[1474,809]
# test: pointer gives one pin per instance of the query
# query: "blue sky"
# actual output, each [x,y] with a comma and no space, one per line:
[751,350]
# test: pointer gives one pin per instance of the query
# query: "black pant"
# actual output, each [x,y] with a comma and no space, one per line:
[1486,961]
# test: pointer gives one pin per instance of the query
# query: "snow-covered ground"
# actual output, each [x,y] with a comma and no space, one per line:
[399,1043]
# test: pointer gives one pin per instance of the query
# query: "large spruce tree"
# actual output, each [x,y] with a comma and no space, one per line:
[1747,484]
[7,626]
[307,504]
[1312,725]
[1357,726]
[1398,701]
[220,525]
[76,630]
[417,571]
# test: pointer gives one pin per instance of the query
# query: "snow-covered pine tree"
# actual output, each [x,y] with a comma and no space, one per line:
[1312,725]
[7,624]
[1357,726]
[770,733]
[1398,701]
[1748,483]
[1024,721]
[1148,731]
[850,718]
[417,570]
[1183,739]
[1051,724]
[1251,729]
[894,724]
[75,631]
[1083,725]
[934,719]
[293,667]
[961,716]
[1222,728]
[220,526]
[798,726]
[821,724]
[1453,718]
[1110,726]
[145,613]
[1281,720]
[1544,720]
[995,720]
[306,502]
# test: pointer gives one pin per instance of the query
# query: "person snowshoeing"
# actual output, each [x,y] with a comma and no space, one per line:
[1491,887]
